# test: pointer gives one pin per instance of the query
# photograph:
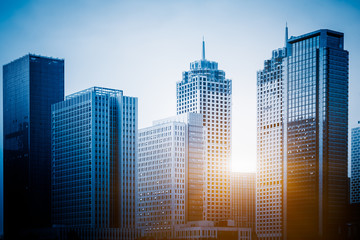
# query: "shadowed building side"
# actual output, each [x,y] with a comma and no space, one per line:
[30,85]
[316,127]
[94,164]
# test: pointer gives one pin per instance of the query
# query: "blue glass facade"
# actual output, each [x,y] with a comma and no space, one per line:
[315,125]
[94,159]
[355,166]
[30,85]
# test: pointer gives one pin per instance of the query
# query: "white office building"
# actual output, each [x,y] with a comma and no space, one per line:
[171,174]
[205,90]
[269,177]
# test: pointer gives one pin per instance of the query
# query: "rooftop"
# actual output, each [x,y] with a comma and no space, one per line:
[99,90]
[315,33]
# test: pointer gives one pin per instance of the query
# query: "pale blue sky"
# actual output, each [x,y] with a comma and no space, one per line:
[142,47]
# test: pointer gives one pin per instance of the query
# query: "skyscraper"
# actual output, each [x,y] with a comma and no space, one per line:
[243,199]
[94,164]
[30,85]
[315,130]
[171,174]
[302,138]
[269,176]
[355,166]
[205,90]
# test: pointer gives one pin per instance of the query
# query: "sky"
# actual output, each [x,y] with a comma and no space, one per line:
[142,47]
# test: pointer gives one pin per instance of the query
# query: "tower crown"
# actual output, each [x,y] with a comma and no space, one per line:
[203,64]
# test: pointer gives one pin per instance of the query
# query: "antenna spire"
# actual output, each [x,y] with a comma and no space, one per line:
[286,34]
[203,49]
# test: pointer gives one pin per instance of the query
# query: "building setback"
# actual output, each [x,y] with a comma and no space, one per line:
[205,90]
[94,164]
[243,199]
[171,174]
[30,85]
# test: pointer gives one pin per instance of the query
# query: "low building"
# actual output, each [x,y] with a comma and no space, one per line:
[207,230]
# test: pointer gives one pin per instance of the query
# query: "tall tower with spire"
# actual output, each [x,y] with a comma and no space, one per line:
[205,90]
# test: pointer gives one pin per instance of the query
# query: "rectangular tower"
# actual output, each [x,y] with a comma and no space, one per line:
[243,199]
[302,139]
[30,85]
[94,163]
[205,90]
[316,134]
[355,166]
[269,176]
[171,174]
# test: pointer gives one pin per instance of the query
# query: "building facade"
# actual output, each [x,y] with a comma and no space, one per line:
[171,174]
[316,131]
[30,85]
[206,230]
[205,90]
[355,166]
[243,199]
[269,175]
[302,139]
[94,164]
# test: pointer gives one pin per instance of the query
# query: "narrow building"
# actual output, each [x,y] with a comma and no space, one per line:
[270,165]
[243,199]
[355,166]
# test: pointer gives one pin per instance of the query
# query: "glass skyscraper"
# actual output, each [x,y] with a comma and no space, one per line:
[316,135]
[205,90]
[94,164]
[355,166]
[30,85]
[302,139]
[171,174]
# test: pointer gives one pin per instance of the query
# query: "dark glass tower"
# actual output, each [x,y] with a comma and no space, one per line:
[315,135]
[30,85]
